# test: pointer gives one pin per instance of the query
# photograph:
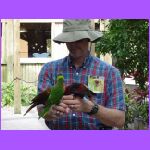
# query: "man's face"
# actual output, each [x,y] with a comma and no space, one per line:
[78,48]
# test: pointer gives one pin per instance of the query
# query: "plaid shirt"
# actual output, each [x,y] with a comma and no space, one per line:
[112,97]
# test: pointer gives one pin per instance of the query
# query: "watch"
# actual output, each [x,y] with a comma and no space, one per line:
[94,110]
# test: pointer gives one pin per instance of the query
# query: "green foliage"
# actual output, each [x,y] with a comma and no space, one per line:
[136,109]
[129,117]
[27,93]
[127,40]
[7,94]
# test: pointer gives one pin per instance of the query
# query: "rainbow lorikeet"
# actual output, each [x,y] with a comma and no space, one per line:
[77,89]
[49,97]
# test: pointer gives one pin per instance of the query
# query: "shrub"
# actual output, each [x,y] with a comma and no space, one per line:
[127,40]
[136,108]
[27,93]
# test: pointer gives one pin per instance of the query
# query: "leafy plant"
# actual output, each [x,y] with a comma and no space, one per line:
[127,40]
[27,93]
[136,108]
[7,94]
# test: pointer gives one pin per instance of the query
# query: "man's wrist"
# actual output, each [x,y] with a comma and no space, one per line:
[89,105]
[93,110]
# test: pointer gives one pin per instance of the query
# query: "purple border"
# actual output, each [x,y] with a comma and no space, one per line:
[0,70]
[78,9]
[75,139]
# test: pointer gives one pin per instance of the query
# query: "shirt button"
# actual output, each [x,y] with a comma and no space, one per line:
[77,73]
[73,115]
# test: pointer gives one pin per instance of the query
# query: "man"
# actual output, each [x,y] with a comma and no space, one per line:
[106,108]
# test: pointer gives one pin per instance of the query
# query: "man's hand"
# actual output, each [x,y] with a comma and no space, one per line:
[77,104]
[108,116]
[55,111]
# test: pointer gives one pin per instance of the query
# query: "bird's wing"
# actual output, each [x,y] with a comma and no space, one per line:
[41,98]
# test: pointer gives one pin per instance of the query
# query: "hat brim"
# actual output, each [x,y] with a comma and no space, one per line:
[73,36]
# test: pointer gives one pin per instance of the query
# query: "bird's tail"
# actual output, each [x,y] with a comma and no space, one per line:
[33,105]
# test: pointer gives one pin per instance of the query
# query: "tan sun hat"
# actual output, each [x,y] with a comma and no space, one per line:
[77,29]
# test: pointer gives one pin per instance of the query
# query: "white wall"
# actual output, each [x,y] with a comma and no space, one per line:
[58,50]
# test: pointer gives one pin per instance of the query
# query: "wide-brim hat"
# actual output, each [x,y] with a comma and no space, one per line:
[77,29]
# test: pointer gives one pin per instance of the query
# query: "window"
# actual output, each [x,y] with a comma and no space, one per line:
[35,40]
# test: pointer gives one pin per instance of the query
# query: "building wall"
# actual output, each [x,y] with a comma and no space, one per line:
[58,50]
[30,71]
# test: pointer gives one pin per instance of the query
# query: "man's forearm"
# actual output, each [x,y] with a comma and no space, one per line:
[111,117]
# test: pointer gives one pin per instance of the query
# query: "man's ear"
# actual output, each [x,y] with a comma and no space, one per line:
[89,46]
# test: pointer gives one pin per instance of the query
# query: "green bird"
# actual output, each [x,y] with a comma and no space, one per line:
[55,94]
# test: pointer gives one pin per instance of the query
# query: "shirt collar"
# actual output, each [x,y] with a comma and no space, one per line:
[85,63]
